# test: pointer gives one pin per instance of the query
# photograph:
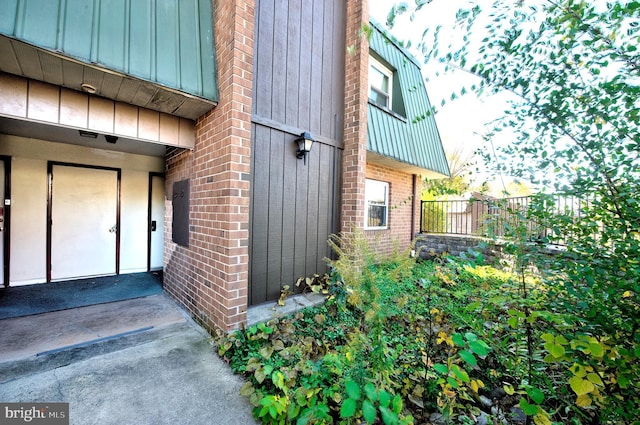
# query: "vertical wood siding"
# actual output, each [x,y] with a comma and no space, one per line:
[298,86]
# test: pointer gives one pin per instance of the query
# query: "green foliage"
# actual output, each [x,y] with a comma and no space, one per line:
[573,71]
[375,403]
[457,183]
[316,284]
[402,340]
[434,215]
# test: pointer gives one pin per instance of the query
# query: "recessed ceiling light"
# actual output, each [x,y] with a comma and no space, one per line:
[88,88]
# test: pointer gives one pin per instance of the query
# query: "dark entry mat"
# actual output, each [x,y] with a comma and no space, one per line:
[42,298]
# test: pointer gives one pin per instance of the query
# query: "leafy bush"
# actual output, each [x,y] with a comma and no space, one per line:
[446,341]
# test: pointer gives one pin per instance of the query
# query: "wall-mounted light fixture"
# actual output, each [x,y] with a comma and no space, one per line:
[305,141]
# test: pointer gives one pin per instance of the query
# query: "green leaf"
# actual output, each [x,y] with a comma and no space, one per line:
[385,398]
[348,408]
[547,337]
[596,349]
[452,381]
[397,404]
[461,374]
[266,352]
[247,389]
[595,378]
[260,375]
[370,391]
[278,380]
[513,322]
[528,409]
[468,357]
[555,350]
[536,395]
[368,412]
[388,417]
[305,416]
[440,368]
[293,411]
[457,339]
[623,381]
[353,389]
[508,388]
[470,337]
[253,364]
[263,411]
[581,386]
[479,347]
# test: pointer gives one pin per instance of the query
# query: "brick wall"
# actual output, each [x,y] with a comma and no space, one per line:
[210,277]
[404,213]
[355,167]
[355,116]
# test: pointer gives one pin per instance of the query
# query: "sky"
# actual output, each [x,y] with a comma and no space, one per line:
[461,122]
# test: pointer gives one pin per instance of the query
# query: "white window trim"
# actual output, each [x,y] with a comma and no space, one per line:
[373,62]
[366,206]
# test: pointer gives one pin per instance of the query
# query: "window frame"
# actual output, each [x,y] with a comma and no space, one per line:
[367,200]
[386,71]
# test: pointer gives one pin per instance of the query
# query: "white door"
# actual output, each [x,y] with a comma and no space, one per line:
[83,222]
[2,223]
[156,259]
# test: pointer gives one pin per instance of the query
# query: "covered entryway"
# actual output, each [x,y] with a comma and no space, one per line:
[101,214]
[87,180]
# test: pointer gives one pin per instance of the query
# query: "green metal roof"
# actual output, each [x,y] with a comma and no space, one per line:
[408,138]
[165,42]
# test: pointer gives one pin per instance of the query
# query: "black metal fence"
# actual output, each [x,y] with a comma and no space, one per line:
[493,217]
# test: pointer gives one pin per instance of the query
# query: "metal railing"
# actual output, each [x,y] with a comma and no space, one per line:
[493,217]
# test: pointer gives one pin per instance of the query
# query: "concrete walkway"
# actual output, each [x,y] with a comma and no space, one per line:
[137,361]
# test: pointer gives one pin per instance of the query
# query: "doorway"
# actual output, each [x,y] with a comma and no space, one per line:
[155,242]
[5,218]
[83,234]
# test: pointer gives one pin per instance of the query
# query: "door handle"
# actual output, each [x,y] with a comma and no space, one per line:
[113,229]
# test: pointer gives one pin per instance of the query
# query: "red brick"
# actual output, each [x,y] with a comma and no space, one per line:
[196,276]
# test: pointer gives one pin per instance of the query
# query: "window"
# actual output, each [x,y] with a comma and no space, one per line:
[380,83]
[376,195]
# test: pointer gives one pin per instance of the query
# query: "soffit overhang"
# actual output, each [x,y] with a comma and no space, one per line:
[32,62]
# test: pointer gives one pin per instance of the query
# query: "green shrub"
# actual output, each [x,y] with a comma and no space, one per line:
[407,340]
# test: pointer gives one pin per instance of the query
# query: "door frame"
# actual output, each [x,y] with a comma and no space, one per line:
[6,234]
[152,174]
[50,165]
